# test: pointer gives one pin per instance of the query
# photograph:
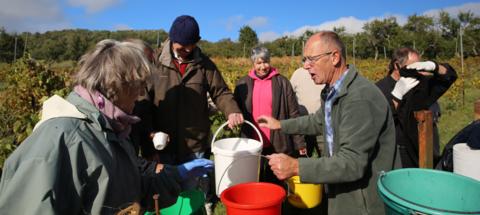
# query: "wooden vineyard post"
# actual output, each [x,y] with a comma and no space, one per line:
[425,138]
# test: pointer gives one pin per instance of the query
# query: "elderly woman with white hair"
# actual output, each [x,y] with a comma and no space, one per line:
[264,91]
[78,160]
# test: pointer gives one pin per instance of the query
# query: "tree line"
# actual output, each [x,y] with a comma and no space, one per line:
[437,37]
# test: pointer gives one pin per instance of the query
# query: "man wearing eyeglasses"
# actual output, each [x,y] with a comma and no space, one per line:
[358,128]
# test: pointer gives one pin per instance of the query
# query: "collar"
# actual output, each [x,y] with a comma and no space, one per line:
[330,92]
[120,121]
[348,79]
[339,82]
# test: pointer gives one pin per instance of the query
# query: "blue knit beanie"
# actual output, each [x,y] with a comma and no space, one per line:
[184,30]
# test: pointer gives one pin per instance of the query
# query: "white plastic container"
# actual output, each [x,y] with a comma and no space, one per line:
[237,160]
[466,161]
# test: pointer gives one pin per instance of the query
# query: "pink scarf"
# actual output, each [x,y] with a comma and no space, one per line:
[262,100]
[120,121]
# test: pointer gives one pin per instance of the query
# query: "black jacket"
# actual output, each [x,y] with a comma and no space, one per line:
[470,135]
[421,97]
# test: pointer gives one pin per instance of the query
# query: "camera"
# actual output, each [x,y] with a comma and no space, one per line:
[410,73]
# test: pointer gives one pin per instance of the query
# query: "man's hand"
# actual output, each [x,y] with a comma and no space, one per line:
[268,122]
[402,87]
[234,119]
[283,166]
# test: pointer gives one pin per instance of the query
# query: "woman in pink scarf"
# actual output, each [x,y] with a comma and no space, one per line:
[265,92]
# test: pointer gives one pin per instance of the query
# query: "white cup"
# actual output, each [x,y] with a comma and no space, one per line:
[160,140]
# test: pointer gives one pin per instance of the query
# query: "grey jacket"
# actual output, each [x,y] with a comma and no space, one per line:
[364,145]
[73,163]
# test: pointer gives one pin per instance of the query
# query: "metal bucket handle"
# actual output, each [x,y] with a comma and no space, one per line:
[226,123]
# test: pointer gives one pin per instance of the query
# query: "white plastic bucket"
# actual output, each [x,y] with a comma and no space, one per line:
[466,160]
[237,160]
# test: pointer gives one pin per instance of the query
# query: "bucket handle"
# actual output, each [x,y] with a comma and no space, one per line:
[226,123]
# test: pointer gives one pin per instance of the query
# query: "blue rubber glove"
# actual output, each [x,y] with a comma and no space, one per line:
[195,168]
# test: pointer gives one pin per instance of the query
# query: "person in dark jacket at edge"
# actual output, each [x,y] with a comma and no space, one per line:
[413,85]
[78,159]
[176,102]
[358,130]
[470,135]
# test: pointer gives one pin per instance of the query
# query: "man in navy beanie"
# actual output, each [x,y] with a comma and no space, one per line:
[184,31]
[177,103]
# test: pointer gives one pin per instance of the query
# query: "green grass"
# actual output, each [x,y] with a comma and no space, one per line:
[220,209]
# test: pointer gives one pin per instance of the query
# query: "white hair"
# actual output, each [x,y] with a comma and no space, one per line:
[260,52]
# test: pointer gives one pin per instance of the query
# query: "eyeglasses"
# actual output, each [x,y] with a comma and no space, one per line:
[313,59]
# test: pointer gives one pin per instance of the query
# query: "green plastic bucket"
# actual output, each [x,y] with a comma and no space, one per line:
[188,202]
[425,191]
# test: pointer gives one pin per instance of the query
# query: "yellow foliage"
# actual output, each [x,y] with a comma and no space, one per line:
[234,68]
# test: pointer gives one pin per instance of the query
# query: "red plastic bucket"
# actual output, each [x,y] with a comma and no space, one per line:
[253,198]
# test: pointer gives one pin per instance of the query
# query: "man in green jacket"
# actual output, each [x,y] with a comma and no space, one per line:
[358,129]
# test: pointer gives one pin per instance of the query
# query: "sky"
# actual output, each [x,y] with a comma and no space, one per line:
[217,19]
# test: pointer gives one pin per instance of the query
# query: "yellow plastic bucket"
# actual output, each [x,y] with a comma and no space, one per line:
[302,195]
